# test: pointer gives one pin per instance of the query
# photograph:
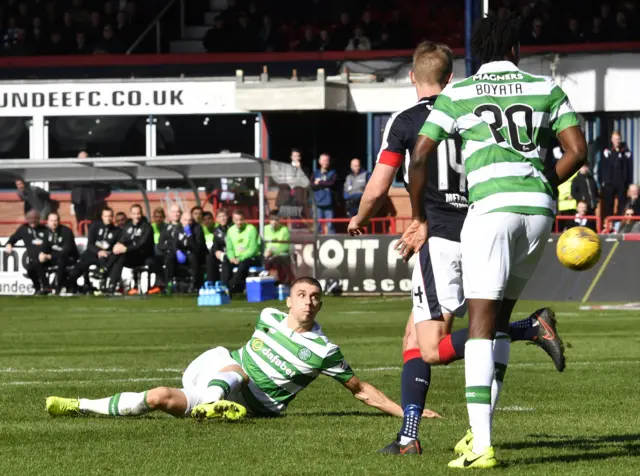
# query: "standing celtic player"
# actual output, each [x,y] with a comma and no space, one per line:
[285,354]
[506,118]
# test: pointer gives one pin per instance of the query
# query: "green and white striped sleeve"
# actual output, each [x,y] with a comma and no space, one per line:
[335,366]
[441,122]
[562,115]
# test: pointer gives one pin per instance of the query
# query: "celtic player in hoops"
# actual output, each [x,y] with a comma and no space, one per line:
[285,354]
[437,290]
[506,118]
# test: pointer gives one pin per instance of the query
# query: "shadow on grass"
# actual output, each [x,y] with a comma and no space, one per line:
[563,441]
[337,414]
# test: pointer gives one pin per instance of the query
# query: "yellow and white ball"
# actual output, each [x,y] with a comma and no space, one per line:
[579,248]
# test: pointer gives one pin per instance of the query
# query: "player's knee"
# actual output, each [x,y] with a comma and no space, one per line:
[159,397]
[430,355]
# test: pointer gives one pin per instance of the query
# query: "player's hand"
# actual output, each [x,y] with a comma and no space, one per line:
[357,226]
[219,255]
[42,257]
[234,261]
[8,249]
[426,413]
[413,238]
[103,254]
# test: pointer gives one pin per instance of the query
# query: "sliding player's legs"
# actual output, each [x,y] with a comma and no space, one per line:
[499,254]
[212,377]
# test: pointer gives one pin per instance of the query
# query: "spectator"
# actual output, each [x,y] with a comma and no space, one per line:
[34,237]
[608,21]
[208,227]
[243,249]
[36,37]
[324,180]
[102,236]
[61,250]
[216,40]
[109,43]
[79,14]
[95,28]
[123,31]
[621,31]
[134,247]
[121,219]
[11,33]
[633,203]
[573,34]
[384,43]
[308,42]
[399,31]
[68,30]
[584,188]
[628,225]
[343,32]
[245,38]
[538,35]
[615,172]
[596,34]
[19,46]
[88,199]
[56,46]
[581,217]
[196,214]
[354,186]
[158,224]
[109,13]
[359,42]
[37,199]
[268,35]
[217,257]
[24,19]
[325,43]
[277,253]
[370,27]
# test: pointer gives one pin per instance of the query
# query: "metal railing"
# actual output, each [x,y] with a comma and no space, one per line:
[155,23]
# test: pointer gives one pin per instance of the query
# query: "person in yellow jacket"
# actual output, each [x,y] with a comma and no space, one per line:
[566,203]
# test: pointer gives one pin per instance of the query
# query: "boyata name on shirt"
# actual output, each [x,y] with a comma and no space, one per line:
[498,89]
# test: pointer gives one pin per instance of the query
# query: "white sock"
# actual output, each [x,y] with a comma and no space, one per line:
[501,352]
[121,404]
[221,386]
[478,370]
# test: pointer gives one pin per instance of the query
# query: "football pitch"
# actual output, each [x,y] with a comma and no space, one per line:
[583,421]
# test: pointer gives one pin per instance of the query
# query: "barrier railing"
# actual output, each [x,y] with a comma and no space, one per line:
[609,221]
[569,218]
[83,227]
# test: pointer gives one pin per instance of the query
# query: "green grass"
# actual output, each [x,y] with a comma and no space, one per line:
[584,421]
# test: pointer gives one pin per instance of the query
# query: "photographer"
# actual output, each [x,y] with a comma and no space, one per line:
[34,237]
[103,235]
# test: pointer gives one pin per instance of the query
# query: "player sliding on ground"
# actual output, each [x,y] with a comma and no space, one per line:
[285,354]
[505,118]
[437,289]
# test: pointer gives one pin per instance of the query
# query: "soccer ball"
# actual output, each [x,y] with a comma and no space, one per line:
[579,248]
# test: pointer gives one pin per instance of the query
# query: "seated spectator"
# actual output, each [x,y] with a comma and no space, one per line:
[342,32]
[36,37]
[79,14]
[323,182]
[109,12]
[399,31]
[243,249]
[308,42]
[11,33]
[37,199]
[102,237]
[628,225]
[217,258]
[94,32]
[245,38]
[370,27]
[109,43]
[216,40]
[359,42]
[573,33]
[354,186]
[121,219]
[277,252]
[158,224]
[56,45]
[208,227]
[61,250]
[180,243]
[584,188]
[384,43]
[24,18]
[596,33]
[581,217]
[268,36]
[633,203]
[325,43]
[123,31]
[622,31]
[134,247]
[34,236]
[538,34]
[81,47]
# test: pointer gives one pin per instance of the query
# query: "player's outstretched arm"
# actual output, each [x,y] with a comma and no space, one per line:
[574,144]
[374,196]
[370,395]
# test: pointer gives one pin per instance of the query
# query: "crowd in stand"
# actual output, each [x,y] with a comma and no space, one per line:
[546,22]
[322,25]
[61,27]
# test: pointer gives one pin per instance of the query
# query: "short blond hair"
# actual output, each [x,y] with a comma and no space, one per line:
[432,63]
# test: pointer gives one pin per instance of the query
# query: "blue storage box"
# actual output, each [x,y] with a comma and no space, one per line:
[261,289]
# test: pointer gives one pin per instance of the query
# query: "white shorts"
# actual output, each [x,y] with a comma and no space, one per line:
[203,370]
[437,281]
[500,252]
